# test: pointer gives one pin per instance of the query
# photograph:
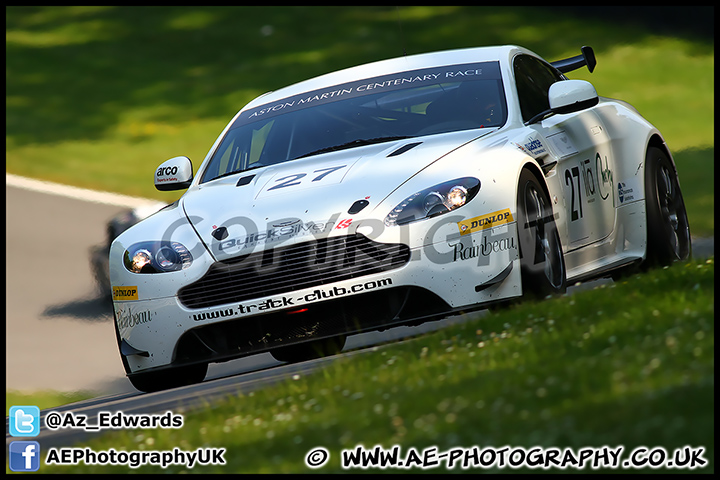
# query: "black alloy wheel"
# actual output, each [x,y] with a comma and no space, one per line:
[668,230]
[541,258]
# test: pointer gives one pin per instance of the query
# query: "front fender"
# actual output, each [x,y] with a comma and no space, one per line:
[168,224]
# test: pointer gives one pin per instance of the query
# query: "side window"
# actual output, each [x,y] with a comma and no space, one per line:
[533,79]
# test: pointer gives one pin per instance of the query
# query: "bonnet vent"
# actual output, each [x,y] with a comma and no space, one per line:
[404,149]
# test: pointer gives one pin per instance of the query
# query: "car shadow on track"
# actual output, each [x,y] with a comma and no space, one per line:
[98,309]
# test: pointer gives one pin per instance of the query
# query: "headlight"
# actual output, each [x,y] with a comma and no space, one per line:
[157,257]
[434,201]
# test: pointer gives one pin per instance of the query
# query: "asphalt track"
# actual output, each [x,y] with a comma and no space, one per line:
[59,332]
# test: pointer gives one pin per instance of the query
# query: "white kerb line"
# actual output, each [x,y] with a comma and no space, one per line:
[76,192]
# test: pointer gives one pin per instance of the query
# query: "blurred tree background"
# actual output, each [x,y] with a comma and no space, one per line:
[98,96]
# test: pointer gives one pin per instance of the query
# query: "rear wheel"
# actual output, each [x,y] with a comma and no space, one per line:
[541,259]
[668,230]
[309,350]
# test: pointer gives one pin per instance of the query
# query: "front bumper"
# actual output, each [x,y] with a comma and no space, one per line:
[233,310]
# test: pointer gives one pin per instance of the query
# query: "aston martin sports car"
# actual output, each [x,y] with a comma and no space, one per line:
[386,194]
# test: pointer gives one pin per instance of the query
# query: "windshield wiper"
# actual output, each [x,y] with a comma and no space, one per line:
[355,143]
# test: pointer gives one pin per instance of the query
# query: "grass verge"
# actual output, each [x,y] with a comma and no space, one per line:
[43,399]
[624,364]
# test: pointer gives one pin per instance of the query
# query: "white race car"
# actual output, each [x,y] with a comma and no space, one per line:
[385,194]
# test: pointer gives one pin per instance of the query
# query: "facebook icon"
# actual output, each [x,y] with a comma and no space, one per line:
[24,456]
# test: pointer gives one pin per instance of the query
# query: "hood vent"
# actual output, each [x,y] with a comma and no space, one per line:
[357,206]
[404,149]
[244,180]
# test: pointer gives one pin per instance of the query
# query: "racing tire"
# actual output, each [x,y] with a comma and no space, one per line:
[542,263]
[166,379]
[156,381]
[668,230]
[310,350]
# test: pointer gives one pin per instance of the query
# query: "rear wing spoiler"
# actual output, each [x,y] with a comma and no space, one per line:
[573,63]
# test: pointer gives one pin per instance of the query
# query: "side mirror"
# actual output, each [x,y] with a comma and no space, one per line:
[570,96]
[174,174]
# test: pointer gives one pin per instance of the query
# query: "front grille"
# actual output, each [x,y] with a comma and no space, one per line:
[366,311]
[293,267]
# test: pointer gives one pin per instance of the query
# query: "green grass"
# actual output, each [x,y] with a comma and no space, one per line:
[624,364]
[43,399]
[97,97]
[696,169]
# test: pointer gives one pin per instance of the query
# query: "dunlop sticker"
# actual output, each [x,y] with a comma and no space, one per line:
[482,222]
[125,293]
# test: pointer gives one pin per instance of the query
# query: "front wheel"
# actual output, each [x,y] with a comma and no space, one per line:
[166,379]
[163,380]
[541,258]
[668,231]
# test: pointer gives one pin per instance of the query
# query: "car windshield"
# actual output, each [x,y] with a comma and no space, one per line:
[408,104]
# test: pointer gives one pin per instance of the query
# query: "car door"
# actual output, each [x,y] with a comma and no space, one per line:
[580,145]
